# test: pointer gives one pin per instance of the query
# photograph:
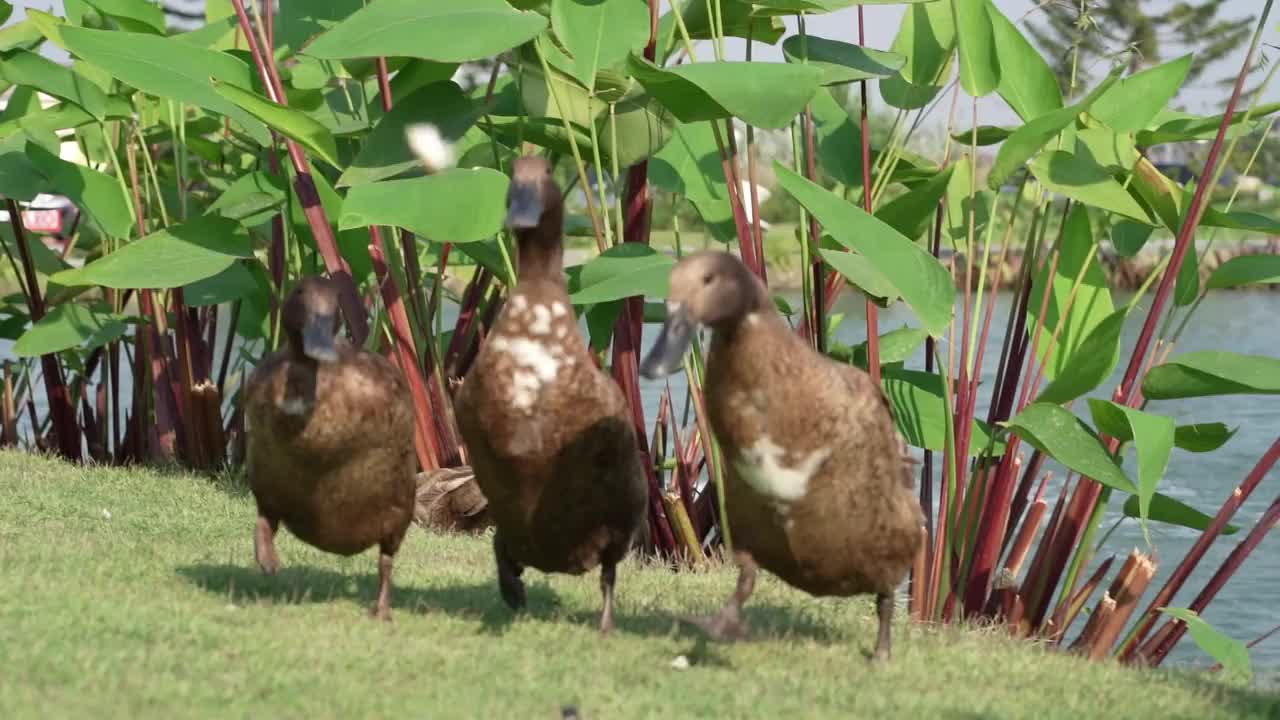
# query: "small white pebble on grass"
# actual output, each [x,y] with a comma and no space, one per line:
[680,663]
[429,146]
[106,514]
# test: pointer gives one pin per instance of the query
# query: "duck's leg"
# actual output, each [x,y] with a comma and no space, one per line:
[608,578]
[728,623]
[509,582]
[264,543]
[884,609]
[386,558]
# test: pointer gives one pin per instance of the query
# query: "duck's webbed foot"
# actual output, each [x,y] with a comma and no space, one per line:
[264,544]
[509,571]
[728,624]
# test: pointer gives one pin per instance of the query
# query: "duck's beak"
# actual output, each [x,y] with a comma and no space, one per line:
[524,205]
[317,338]
[667,353]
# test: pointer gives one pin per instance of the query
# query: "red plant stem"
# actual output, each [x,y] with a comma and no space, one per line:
[1197,552]
[195,451]
[61,409]
[746,245]
[1157,649]
[816,326]
[873,322]
[305,187]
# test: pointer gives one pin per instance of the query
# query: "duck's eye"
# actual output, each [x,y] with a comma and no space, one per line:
[706,279]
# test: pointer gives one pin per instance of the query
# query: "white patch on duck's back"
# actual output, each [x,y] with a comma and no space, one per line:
[519,303]
[536,365]
[558,309]
[763,467]
[295,406]
[541,324]
[753,318]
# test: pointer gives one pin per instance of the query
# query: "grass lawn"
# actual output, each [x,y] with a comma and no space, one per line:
[128,593]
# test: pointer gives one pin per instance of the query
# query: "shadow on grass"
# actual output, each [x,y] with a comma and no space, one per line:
[298,585]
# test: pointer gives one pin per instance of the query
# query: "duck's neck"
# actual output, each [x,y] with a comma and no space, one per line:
[541,249]
[756,311]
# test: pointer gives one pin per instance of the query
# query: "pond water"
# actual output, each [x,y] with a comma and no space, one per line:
[1236,321]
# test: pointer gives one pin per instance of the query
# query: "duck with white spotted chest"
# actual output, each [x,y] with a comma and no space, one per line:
[550,435]
[819,488]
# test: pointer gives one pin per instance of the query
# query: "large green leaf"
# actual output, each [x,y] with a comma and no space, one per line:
[622,271]
[385,153]
[736,19]
[896,346]
[960,205]
[1195,127]
[458,205]
[1153,436]
[1202,437]
[912,212]
[67,326]
[1129,237]
[183,254]
[926,38]
[841,62]
[1233,654]
[766,95]
[19,179]
[689,165]
[1131,104]
[1170,511]
[290,122]
[860,273]
[1027,140]
[97,194]
[1246,270]
[920,413]
[1027,82]
[135,15]
[1238,220]
[1080,177]
[168,69]
[599,33]
[1212,372]
[252,199]
[1063,437]
[918,276]
[979,67]
[641,127]
[233,283]
[1091,364]
[1092,305]
[441,30]
[27,68]
[24,34]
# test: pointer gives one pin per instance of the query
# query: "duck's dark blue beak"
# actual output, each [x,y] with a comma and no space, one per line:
[524,205]
[667,354]
[317,338]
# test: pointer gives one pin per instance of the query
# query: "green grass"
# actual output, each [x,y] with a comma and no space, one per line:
[129,593]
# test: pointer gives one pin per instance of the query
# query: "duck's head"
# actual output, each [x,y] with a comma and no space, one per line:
[533,197]
[707,288]
[310,319]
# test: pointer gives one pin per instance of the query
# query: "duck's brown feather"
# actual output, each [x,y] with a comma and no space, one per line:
[337,470]
[556,458]
[856,528]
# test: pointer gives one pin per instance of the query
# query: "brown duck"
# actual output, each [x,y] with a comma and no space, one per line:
[549,434]
[330,441]
[818,488]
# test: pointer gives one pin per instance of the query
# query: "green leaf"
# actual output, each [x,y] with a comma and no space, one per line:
[136,15]
[168,69]
[987,135]
[1091,364]
[841,62]
[642,127]
[1194,127]
[442,30]
[1131,104]
[601,319]
[599,33]
[1246,270]
[1233,654]
[958,205]
[919,411]
[1063,437]
[1027,82]
[979,67]
[1202,437]
[6,10]
[766,95]
[689,165]
[1240,220]
[1027,140]
[97,194]
[1153,436]
[1212,372]
[918,276]
[1108,148]
[290,122]
[233,283]
[736,20]
[487,254]
[457,205]
[27,68]
[913,212]
[1079,177]
[926,38]
[1092,305]
[1169,511]
[46,261]
[252,199]
[896,346]
[1128,237]
[385,152]
[24,34]
[67,326]
[622,271]
[183,254]
[860,273]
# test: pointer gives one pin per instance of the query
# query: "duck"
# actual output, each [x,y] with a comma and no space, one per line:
[818,485]
[549,434]
[330,432]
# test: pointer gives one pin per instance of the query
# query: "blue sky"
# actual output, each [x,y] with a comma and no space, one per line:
[882,24]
